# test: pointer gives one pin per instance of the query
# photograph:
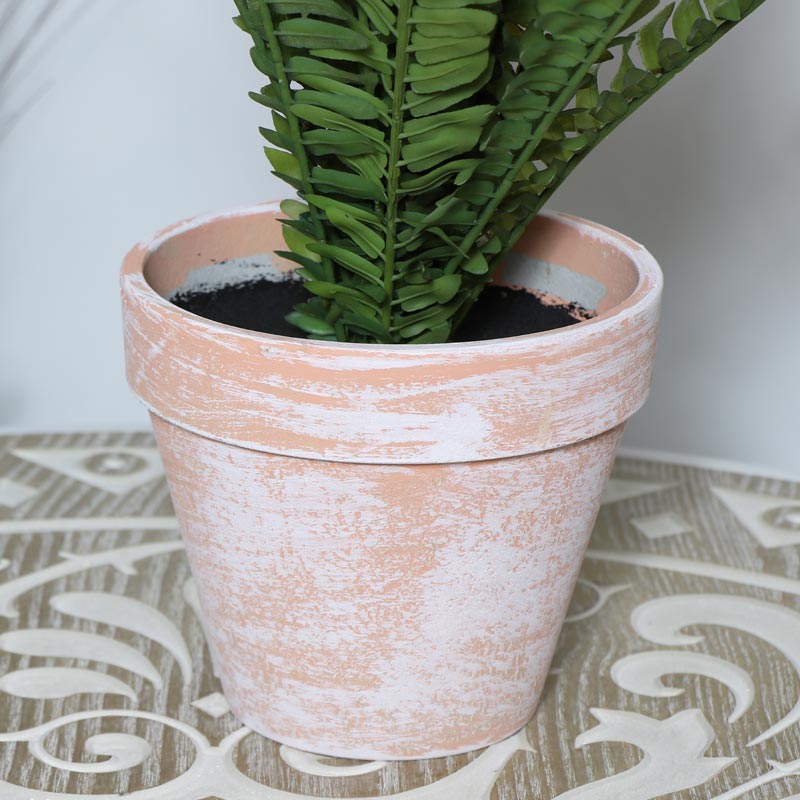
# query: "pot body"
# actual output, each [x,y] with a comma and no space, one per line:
[385,539]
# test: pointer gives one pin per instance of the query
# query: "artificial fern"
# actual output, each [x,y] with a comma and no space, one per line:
[422,136]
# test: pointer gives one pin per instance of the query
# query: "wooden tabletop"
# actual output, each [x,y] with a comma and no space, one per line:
[677,674]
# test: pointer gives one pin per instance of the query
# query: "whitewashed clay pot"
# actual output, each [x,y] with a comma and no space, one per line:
[385,539]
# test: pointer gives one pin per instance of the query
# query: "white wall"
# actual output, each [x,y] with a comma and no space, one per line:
[145,120]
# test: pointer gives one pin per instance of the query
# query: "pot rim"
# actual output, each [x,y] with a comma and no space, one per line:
[649,280]
[392,403]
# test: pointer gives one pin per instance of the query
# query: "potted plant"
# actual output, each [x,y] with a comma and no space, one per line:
[386,521]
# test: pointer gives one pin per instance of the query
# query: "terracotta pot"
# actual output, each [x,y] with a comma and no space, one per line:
[385,539]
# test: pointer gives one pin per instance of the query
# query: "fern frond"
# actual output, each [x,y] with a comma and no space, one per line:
[597,113]
[376,127]
[423,135]
[592,113]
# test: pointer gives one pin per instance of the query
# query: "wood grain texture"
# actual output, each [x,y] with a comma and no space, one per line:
[582,681]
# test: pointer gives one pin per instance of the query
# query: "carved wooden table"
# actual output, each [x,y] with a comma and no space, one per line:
[677,675]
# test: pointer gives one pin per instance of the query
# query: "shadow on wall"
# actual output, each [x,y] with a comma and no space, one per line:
[32,34]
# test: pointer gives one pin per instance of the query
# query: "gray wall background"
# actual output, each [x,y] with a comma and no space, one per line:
[135,115]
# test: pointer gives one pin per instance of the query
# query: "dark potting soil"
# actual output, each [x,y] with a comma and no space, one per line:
[262,305]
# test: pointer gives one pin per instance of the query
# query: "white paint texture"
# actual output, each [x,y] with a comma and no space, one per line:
[130,614]
[13,493]
[214,704]
[112,469]
[772,521]
[673,755]
[642,673]
[427,404]
[313,764]
[778,583]
[214,772]
[553,280]
[410,605]
[360,607]
[11,527]
[657,526]
[123,558]
[50,683]
[190,597]
[231,272]
[59,643]
[661,620]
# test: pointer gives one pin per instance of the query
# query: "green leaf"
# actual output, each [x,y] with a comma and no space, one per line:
[351,261]
[413,325]
[702,31]
[346,183]
[262,62]
[476,264]
[434,50]
[366,238]
[338,88]
[382,17]
[625,65]
[323,142]
[671,54]
[426,79]
[357,212]
[275,138]
[537,49]
[300,243]
[687,12]
[293,208]
[365,324]
[436,335]
[612,105]
[326,118]
[430,180]
[305,66]
[455,3]
[373,56]
[422,104]
[445,287]
[650,37]
[319,8]
[304,32]
[371,167]
[283,162]
[332,291]
[473,117]
[442,23]
[352,107]
[725,10]
[360,304]
[642,10]
[440,145]
[311,270]
[309,324]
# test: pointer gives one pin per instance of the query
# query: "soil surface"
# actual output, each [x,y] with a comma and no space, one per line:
[262,305]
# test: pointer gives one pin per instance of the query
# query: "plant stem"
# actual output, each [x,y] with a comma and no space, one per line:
[393,171]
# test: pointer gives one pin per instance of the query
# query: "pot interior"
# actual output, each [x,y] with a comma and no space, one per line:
[590,270]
